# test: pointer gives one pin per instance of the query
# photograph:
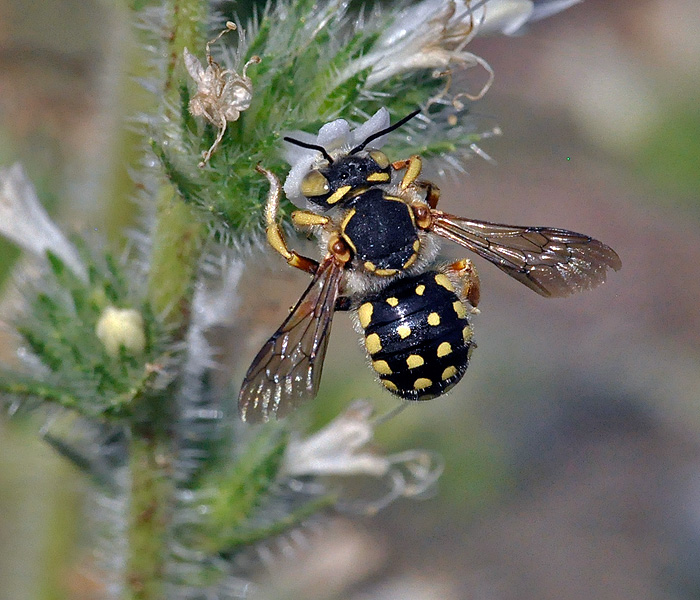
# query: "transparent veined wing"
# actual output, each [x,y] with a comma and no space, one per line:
[552,262]
[287,370]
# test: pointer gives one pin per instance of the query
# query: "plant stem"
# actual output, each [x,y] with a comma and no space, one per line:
[149,518]
[177,244]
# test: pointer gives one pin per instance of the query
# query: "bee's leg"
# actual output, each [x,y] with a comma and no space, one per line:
[413,168]
[465,271]
[275,236]
[432,193]
[343,303]
[422,213]
[305,218]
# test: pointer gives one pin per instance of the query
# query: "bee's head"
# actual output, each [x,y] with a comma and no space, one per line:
[348,173]
[342,178]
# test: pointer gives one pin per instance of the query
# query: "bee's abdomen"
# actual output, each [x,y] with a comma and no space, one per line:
[418,335]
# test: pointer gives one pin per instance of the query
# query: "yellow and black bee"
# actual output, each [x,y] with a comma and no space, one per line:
[378,224]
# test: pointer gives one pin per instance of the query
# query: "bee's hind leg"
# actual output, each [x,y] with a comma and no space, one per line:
[465,271]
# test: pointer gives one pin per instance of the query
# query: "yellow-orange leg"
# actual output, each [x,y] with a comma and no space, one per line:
[466,272]
[305,218]
[275,236]
[413,166]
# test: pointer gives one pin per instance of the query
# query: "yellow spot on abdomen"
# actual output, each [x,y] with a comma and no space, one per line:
[414,361]
[467,333]
[404,331]
[444,349]
[442,279]
[449,372]
[373,343]
[433,319]
[382,367]
[460,309]
[365,314]
[392,301]
[421,383]
[420,289]
[389,385]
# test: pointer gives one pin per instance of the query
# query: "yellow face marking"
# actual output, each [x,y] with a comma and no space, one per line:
[467,333]
[389,385]
[382,367]
[441,279]
[421,383]
[414,361]
[373,343]
[404,331]
[378,177]
[416,245]
[365,314]
[449,372]
[460,309]
[385,272]
[338,194]
[444,349]
[433,319]
[392,301]
[370,266]
[420,289]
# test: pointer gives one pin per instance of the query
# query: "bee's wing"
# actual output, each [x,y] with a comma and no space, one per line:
[287,370]
[552,262]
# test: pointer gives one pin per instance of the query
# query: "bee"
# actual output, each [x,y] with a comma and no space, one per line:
[378,226]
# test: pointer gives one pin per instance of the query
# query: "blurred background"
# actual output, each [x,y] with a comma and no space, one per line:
[572,446]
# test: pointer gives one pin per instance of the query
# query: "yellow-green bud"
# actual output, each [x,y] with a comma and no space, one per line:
[118,327]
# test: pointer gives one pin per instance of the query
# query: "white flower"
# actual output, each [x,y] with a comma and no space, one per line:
[339,450]
[119,327]
[337,138]
[222,94]
[24,221]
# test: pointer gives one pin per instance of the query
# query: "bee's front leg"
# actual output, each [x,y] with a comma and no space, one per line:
[275,235]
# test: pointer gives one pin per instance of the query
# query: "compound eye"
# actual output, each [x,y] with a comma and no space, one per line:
[314,184]
[380,158]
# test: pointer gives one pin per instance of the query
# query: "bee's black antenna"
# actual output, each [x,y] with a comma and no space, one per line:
[389,129]
[321,149]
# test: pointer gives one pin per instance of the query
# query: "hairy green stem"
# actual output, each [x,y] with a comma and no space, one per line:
[149,517]
[177,244]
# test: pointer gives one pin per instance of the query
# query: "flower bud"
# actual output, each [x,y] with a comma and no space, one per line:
[119,327]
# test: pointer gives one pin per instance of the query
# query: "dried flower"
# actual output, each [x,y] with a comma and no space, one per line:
[433,34]
[340,449]
[24,221]
[119,327]
[222,94]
